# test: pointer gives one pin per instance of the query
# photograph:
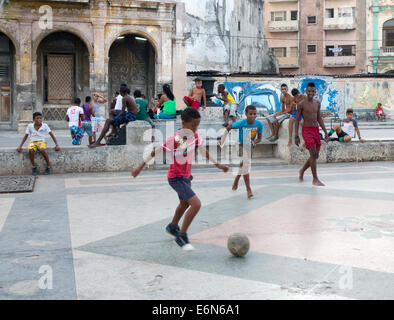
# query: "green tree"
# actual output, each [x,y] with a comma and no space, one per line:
[4,4]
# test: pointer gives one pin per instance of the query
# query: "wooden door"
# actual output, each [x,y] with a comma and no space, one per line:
[60,78]
[5,103]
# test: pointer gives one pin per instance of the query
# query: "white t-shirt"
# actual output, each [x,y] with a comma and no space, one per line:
[118,105]
[74,113]
[37,135]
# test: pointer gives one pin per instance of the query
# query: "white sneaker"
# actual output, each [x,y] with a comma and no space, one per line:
[188,247]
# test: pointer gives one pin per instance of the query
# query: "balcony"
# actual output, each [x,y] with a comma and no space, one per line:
[339,61]
[342,23]
[387,51]
[283,26]
[288,62]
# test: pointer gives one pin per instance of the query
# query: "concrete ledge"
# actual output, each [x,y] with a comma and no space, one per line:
[354,151]
[124,158]
[72,160]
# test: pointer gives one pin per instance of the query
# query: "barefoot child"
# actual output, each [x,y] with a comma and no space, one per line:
[182,146]
[36,131]
[309,108]
[250,133]
[195,95]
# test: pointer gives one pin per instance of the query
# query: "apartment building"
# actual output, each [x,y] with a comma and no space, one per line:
[317,36]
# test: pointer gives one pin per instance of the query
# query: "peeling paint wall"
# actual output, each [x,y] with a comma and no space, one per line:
[227,36]
[335,94]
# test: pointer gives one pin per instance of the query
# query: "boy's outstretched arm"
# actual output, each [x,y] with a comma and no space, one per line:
[359,135]
[57,148]
[259,137]
[229,127]
[19,149]
[136,171]
[297,124]
[205,152]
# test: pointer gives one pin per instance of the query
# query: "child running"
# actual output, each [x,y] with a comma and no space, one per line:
[250,133]
[182,146]
[309,108]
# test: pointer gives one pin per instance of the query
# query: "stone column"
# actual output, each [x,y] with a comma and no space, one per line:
[25,89]
[99,65]
[179,57]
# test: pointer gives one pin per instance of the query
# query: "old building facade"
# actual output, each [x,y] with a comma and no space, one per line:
[380,36]
[317,36]
[54,51]
[59,50]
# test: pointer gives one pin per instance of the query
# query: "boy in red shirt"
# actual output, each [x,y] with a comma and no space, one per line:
[182,146]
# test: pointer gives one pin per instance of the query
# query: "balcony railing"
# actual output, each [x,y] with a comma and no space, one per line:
[387,51]
[283,26]
[339,61]
[339,23]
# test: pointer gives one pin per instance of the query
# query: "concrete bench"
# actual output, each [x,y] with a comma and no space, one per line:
[354,151]
[125,157]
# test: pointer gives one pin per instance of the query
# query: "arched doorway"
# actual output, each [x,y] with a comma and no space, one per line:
[132,61]
[63,73]
[7,54]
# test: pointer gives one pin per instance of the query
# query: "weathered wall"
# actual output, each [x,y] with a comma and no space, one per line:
[97,24]
[335,94]
[215,41]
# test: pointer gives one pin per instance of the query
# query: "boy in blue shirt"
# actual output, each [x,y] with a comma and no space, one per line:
[250,133]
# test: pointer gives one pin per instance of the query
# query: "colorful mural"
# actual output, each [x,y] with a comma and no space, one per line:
[335,94]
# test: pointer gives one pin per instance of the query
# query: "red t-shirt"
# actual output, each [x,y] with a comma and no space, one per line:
[182,154]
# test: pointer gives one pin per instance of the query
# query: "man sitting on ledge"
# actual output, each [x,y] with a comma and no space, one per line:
[346,132]
[123,117]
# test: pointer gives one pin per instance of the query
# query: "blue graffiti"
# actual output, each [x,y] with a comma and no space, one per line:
[332,104]
[245,93]
[320,84]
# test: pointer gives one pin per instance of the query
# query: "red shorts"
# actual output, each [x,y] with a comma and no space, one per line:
[311,137]
[192,103]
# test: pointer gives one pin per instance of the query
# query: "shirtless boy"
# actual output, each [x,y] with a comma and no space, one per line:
[309,108]
[195,95]
[286,108]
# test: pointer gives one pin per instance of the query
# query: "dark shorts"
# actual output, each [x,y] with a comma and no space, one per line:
[117,121]
[182,186]
[342,134]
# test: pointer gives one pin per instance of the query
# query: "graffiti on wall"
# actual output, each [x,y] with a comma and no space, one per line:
[335,95]
[266,96]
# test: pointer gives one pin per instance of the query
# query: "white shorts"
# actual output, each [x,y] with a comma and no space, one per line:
[231,108]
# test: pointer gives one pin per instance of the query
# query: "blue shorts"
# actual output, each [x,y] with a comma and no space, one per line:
[87,127]
[117,112]
[294,114]
[182,186]
[127,117]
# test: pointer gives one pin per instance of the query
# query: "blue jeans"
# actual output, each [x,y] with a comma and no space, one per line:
[163,115]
